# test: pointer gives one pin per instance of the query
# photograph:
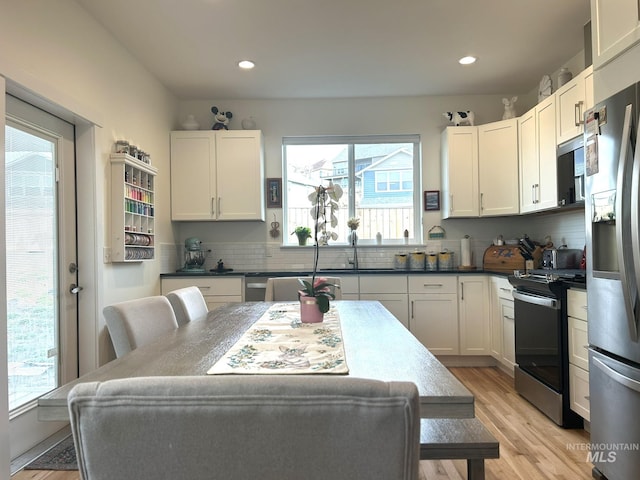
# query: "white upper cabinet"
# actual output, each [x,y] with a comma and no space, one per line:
[217,175]
[459,148]
[572,100]
[498,168]
[480,170]
[537,149]
[615,26]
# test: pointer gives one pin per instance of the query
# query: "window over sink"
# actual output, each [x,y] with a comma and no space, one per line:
[380,176]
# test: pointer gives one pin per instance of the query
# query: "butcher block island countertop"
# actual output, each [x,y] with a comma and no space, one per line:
[376,346]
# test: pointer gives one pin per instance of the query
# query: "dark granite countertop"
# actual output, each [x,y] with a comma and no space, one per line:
[331,272]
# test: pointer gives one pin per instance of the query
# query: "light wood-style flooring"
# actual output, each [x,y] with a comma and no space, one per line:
[532,447]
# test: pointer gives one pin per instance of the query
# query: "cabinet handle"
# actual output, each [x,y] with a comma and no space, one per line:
[584,307]
[432,285]
[461,290]
[533,193]
[508,317]
[481,201]
[203,287]
[411,308]
[505,289]
[586,347]
[587,398]
[213,206]
[219,209]
[451,203]
[577,112]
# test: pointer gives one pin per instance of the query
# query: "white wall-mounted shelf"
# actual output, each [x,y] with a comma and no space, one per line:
[132,209]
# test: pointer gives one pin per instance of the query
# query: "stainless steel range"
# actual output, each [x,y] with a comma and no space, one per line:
[541,342]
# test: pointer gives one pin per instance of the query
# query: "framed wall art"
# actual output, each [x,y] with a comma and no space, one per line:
[432,200]
[274,193]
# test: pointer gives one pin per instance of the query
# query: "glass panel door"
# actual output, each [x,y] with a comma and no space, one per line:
[32,279]
[41,256]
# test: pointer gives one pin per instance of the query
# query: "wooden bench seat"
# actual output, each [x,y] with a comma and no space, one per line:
[458,438]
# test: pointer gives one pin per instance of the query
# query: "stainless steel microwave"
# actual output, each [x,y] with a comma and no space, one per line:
[570,165]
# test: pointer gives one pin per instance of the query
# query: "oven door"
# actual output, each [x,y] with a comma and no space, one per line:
[538,333]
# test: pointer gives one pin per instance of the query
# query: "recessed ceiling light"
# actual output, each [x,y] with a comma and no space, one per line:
[246,64]
[467,60]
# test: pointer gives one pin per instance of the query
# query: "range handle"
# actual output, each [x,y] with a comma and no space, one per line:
[536,299]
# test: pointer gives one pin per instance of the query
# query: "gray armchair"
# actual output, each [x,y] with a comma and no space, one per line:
[135,323]
[188,304]
[246,427]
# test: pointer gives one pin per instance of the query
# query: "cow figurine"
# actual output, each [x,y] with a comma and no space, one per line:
[460,118]
[509,108]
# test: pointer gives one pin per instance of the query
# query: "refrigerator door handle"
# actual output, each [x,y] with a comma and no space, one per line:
[635,233]
[618,377]
[624,224]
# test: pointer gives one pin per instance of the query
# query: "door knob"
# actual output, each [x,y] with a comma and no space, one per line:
[74,289]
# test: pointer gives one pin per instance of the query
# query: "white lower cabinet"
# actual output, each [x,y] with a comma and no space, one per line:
[473,305]
[216,291]
[389,290]
[433,312]
[578,352]
[502,343]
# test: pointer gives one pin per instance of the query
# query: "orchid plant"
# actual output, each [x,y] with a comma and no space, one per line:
[324,201]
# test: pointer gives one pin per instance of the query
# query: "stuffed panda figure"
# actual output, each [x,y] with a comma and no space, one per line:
[221,119]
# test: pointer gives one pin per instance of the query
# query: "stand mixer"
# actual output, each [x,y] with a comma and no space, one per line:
[194,256]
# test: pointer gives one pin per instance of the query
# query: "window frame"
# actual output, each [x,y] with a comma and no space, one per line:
[416,233]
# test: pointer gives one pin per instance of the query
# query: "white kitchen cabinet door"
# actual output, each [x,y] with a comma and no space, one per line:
[498,168]
[193,175]
[473,308]
[216,291]
[433,319]
[579,391]
[528,150]
[217,175]
[240,174]
[537,148]
[396,303]
[508,333]
[547,196]
[615,27]
[459,149]
[572,100]
[501,292]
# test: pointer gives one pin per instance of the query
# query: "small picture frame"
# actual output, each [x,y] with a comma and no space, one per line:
[274,193]
[431,200]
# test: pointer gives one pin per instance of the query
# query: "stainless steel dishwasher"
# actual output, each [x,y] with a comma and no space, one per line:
[254,288]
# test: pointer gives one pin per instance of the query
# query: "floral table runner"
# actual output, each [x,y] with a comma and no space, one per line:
[279,343]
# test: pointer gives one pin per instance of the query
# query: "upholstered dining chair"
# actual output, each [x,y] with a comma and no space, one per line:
[188,304]
[135,323]
[270,427]
[286,288]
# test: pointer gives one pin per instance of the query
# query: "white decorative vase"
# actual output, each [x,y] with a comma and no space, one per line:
[248,123]
[564,76]
[190,123]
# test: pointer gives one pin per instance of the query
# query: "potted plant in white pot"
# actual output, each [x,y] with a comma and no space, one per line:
[302,233]
[316,294]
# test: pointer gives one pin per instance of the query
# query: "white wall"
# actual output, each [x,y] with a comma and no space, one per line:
[56,51]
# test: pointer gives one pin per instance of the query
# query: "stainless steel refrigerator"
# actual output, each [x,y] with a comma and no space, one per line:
[612,210]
